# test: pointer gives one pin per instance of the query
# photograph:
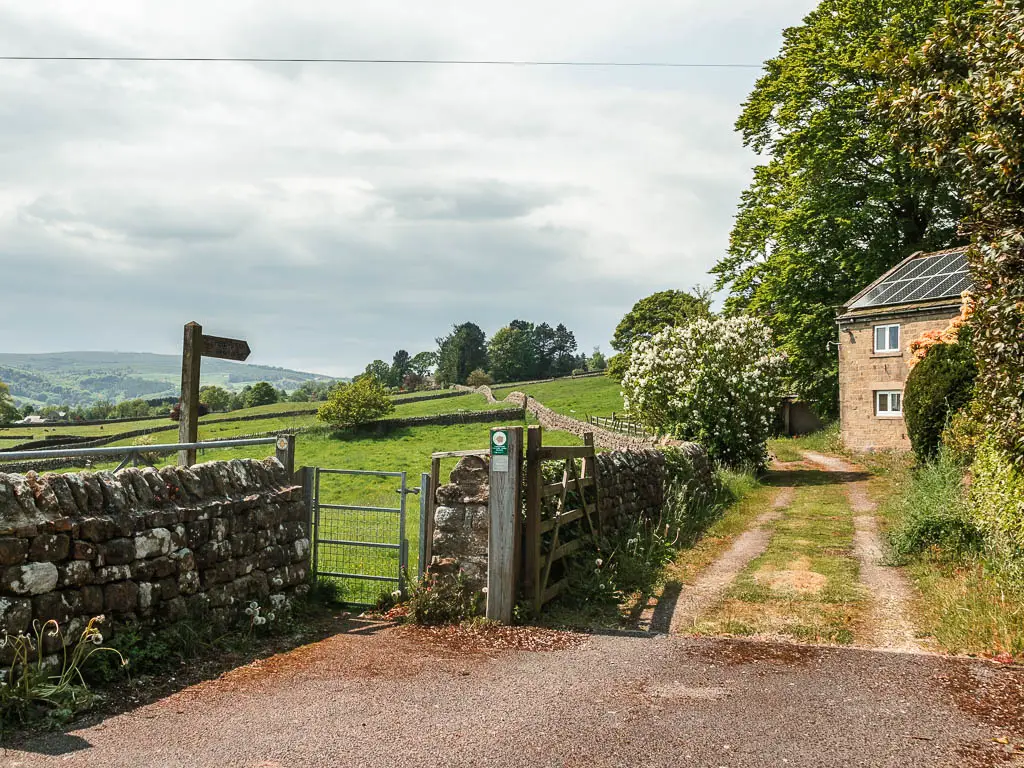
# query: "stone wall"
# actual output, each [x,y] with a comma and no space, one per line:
[461,521]
[550,419]
[147,544]
[632,484]
[862,372]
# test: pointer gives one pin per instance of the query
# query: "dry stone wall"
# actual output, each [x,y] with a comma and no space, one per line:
[147,544]
[550,419]
[632,484]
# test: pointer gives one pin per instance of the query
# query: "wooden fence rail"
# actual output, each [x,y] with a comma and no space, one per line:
[615,424]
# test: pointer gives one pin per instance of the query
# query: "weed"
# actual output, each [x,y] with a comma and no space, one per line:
[442,599]
[35,685]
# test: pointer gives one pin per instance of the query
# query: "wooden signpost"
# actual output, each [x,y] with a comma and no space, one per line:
[505,468]
[194,348]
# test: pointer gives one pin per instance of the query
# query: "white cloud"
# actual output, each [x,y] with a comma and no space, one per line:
[332,213]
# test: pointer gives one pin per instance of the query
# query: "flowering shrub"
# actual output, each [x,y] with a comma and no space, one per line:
[716,381]
[951,334]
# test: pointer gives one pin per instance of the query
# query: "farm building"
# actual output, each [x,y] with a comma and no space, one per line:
[921,293]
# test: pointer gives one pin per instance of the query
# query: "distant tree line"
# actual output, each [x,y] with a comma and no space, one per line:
[517,352]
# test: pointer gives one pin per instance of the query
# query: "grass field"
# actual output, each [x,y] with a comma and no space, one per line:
[579,398]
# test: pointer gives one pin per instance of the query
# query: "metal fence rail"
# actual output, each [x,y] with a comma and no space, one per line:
[285,449]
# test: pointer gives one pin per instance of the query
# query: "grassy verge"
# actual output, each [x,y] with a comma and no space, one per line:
[645,560]
[805,585]
[965,600]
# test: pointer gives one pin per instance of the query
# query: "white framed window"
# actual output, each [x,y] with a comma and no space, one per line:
[887,338]
[889,404]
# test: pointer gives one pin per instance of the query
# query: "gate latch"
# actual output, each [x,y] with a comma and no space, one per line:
[407,490]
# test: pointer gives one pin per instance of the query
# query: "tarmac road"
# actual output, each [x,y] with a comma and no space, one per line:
[403,697]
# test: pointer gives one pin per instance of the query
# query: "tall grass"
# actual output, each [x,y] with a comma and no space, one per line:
[932,516]
[972,599]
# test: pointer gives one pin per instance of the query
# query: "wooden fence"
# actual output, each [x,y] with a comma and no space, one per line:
[615,424]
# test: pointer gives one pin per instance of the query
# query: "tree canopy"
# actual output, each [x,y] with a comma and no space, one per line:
[956,102]
[8,410]
[838,201]
[460,352]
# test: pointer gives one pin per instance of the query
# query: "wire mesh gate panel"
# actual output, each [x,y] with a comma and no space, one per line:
[359,531]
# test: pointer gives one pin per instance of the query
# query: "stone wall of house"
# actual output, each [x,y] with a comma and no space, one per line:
[147,544]
[862,372]
[632,484]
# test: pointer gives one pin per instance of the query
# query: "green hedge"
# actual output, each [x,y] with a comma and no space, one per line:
[938,386]
[997,502]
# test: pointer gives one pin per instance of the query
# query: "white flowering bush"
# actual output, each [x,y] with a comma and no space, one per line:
[717,382]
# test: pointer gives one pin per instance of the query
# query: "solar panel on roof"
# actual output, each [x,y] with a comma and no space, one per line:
[925,278]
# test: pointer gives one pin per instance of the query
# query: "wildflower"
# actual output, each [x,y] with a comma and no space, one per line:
[278,581]
[599,562]
[271,616]
[397,594]
[484,590]
[97,639]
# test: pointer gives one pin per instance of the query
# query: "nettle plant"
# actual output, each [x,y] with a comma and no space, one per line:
[717,382]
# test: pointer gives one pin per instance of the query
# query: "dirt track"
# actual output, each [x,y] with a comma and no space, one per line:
[398,699]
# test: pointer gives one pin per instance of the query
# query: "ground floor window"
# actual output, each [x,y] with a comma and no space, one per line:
[888,403]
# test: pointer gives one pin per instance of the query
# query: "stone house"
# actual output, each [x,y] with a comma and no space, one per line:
[921,293]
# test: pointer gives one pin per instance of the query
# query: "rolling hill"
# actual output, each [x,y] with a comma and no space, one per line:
[82,378]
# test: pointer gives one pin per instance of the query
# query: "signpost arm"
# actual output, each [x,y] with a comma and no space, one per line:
[188,417]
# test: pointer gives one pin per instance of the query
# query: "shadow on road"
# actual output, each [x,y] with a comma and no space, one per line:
[778,478]
[129,695]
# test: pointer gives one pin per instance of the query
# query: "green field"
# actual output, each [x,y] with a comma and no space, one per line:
[211,430]
[579,398]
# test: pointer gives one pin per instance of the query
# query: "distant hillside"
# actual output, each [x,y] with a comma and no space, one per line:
[82,378]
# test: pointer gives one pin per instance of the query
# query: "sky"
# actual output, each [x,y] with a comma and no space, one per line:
[331,214]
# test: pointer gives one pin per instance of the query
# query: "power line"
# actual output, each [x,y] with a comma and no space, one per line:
[459,62]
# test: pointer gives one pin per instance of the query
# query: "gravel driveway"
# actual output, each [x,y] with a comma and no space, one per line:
[403,697]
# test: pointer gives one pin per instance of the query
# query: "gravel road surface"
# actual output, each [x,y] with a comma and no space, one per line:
[405,697]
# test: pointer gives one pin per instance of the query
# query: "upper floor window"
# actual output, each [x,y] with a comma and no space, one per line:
[887,338]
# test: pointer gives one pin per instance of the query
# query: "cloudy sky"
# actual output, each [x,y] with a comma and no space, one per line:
[331,214]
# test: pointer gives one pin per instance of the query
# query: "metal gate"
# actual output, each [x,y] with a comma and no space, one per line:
[360,544]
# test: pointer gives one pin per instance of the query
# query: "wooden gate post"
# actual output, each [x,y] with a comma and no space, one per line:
[503,508]
[188,413]
[285,452]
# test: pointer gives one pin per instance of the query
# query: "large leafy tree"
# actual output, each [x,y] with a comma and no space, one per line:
[8,411]
[460,352]
[838,201]
[958,102]
[401,363]
[423,363]
[654,313]
[512,353]
[262,393]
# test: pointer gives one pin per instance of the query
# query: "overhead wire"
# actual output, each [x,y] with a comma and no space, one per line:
[450,62]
